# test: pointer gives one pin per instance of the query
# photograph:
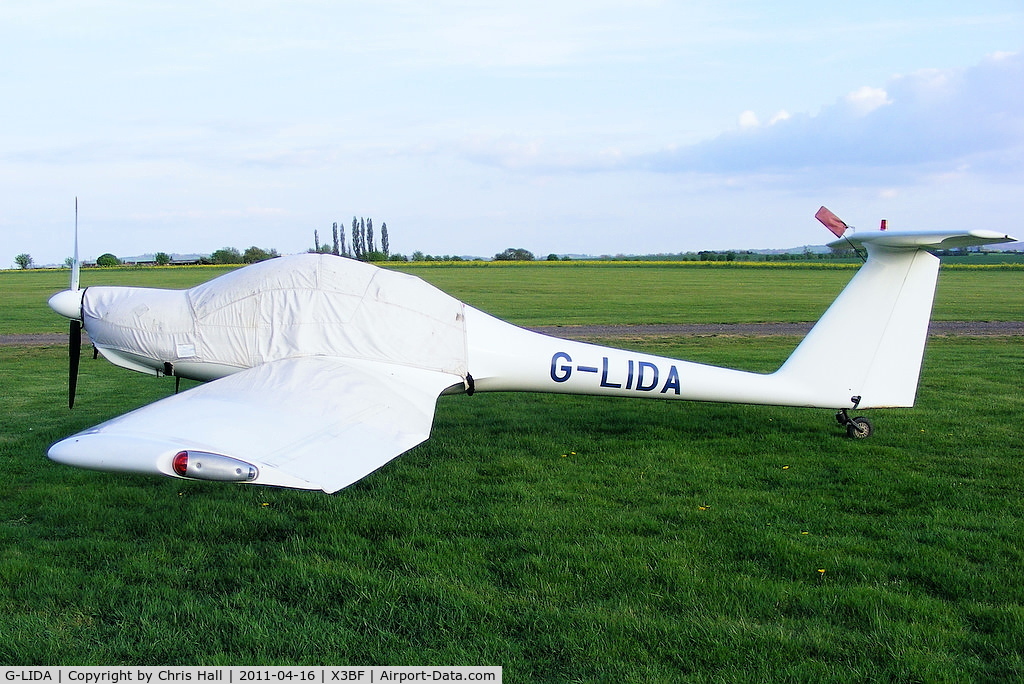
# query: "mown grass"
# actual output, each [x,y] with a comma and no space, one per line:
[568,294]
[565,538]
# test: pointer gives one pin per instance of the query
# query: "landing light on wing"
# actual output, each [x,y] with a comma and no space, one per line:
[206,466]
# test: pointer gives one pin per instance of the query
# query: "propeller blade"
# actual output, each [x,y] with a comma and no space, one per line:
[74,262]
[74,354]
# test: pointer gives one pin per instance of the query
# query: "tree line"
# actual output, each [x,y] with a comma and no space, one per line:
[366,244]
[360,244]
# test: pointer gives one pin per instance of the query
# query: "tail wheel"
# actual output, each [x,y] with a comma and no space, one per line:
[859,428]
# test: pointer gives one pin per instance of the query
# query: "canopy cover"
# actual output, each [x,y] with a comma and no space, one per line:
[303,305]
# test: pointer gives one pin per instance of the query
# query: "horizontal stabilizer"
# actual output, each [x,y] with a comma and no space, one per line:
[935,239]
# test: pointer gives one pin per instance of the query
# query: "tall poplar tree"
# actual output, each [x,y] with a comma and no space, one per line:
[356,247]
[384,239]
[334,229]
[356,252]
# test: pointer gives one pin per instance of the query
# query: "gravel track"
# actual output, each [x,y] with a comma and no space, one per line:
[938,328]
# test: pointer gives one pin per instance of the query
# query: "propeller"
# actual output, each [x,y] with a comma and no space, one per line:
[75,332]
[74,263]
[74,355]
[69,304]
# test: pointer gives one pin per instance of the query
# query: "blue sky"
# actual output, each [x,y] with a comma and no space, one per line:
[570,127]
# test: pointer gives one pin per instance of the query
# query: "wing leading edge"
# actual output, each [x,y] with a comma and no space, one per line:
[308,422]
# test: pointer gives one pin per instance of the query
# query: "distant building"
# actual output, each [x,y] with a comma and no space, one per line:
[150,260]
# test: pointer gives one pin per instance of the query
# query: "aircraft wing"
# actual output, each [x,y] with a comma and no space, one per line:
[310,422]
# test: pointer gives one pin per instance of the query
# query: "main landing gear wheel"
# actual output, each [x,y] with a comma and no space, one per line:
[859,428]
[856,428]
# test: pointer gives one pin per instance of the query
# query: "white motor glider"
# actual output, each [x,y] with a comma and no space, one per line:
[322,369]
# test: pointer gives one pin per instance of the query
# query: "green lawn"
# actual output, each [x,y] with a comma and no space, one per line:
[578,293]
[564,538]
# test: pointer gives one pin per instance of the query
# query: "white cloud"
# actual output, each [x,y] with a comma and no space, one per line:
[748,119]
[927,120]
[915,126]
[866,99]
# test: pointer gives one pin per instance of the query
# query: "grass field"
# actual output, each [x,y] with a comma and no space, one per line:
[565,538]
[580,293]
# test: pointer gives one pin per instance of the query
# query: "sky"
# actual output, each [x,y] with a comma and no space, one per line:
[597,127]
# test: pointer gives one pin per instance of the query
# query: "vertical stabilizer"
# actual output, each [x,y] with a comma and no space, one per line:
[866,350]
[870,342]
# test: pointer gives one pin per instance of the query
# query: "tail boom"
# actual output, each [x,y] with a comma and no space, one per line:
[864,352]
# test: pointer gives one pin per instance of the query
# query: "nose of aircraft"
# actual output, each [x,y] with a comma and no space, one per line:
[68,304]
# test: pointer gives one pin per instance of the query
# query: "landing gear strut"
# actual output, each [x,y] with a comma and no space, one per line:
[856,428]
